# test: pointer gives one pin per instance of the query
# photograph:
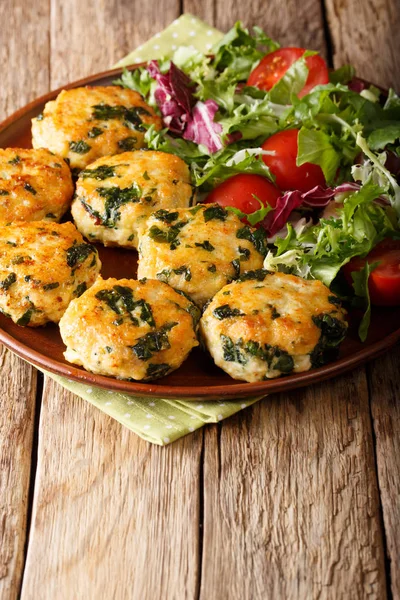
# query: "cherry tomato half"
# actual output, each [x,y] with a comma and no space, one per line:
[240,190]
[384,281]
[282,163]
[274,65]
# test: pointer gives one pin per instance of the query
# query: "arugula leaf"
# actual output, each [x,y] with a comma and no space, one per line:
[342,75]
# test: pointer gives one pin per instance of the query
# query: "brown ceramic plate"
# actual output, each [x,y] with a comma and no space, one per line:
[198,378]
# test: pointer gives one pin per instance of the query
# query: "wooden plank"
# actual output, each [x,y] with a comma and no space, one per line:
[113,516]
[120,517]
[24,56]
[293,23]
[372,42]
[365,33]
[100,33]
[17,410]
[291,507]
[385,392]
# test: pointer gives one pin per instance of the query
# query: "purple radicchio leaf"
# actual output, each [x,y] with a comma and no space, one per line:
[202,128]
[174,95]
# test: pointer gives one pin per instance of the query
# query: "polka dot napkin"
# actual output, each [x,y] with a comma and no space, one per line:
[162,421]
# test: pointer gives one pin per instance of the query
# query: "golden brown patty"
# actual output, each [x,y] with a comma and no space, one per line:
[116,194]
[86,123]
[129,329]
[35,185]
[199,250]
[272,324]
[43,266]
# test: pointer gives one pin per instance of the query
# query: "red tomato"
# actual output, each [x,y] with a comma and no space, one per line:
[274,65]
[282,164]
[384,281]
[240,191]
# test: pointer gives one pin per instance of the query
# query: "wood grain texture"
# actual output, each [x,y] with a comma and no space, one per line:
[113,516]
[293,22]
[291,507]
[365,33]
[24,75]
[101,32]
[385,393]
[17,409]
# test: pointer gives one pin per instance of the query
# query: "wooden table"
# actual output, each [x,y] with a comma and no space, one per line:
[297,497]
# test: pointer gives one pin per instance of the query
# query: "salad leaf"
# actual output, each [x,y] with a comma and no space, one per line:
[291,83]
[201,127]
[380,138]
[314,146]
[342,75]
[360,286]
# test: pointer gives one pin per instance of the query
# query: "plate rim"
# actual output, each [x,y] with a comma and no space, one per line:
[234,388]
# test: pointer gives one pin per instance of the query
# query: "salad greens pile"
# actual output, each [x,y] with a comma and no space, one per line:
[217,124]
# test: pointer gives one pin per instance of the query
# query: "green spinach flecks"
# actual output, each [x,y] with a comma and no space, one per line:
[95,132]
[165,215]
[212,268]
[236,265]
[120,299]
[100,173]
[80,147]
[29,188]
[78,253]
[51,286]
[51,216]
[130,116]
[244,253]
[4,193]
[257,237]
[8,281]
[146,176]
[206,245]
[80,289]
[258,275]
[115,197]
[15,161]
[183,270]
[153,342]
[25,319]
[215,212]
[167,236]
[155,371]
[226,312]
[128,143]
[232,352]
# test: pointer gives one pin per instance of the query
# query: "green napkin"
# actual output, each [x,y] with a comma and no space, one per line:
[162,421]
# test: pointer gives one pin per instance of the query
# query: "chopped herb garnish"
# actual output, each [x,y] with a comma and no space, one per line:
[8,281]
[95,132]
[131,237]
[244,253]
[128,143]
[183,270]
[155,371]
[29,188]
[100,173]
[146,176]
[232,352]
[236,265]
[206,245]
[82,287]
[167,236]
[212,268]
[51,286]
[15,161]
[257,237]
[130,116]
[165,215]
[274,312]
[40,117]
[258,275]
[226,312]
[215,212]
[120,299]
[4,193]
[25,319]
[108,349]
[153,342]
[78,253]
[115,198]
[334,300]
[80,147]
[51,216]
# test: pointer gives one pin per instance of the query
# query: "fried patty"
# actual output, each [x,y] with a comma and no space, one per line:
[199,250]
[268,325]
[128,329]
[86,123]
[116,194]
[43,266]
[35,185]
